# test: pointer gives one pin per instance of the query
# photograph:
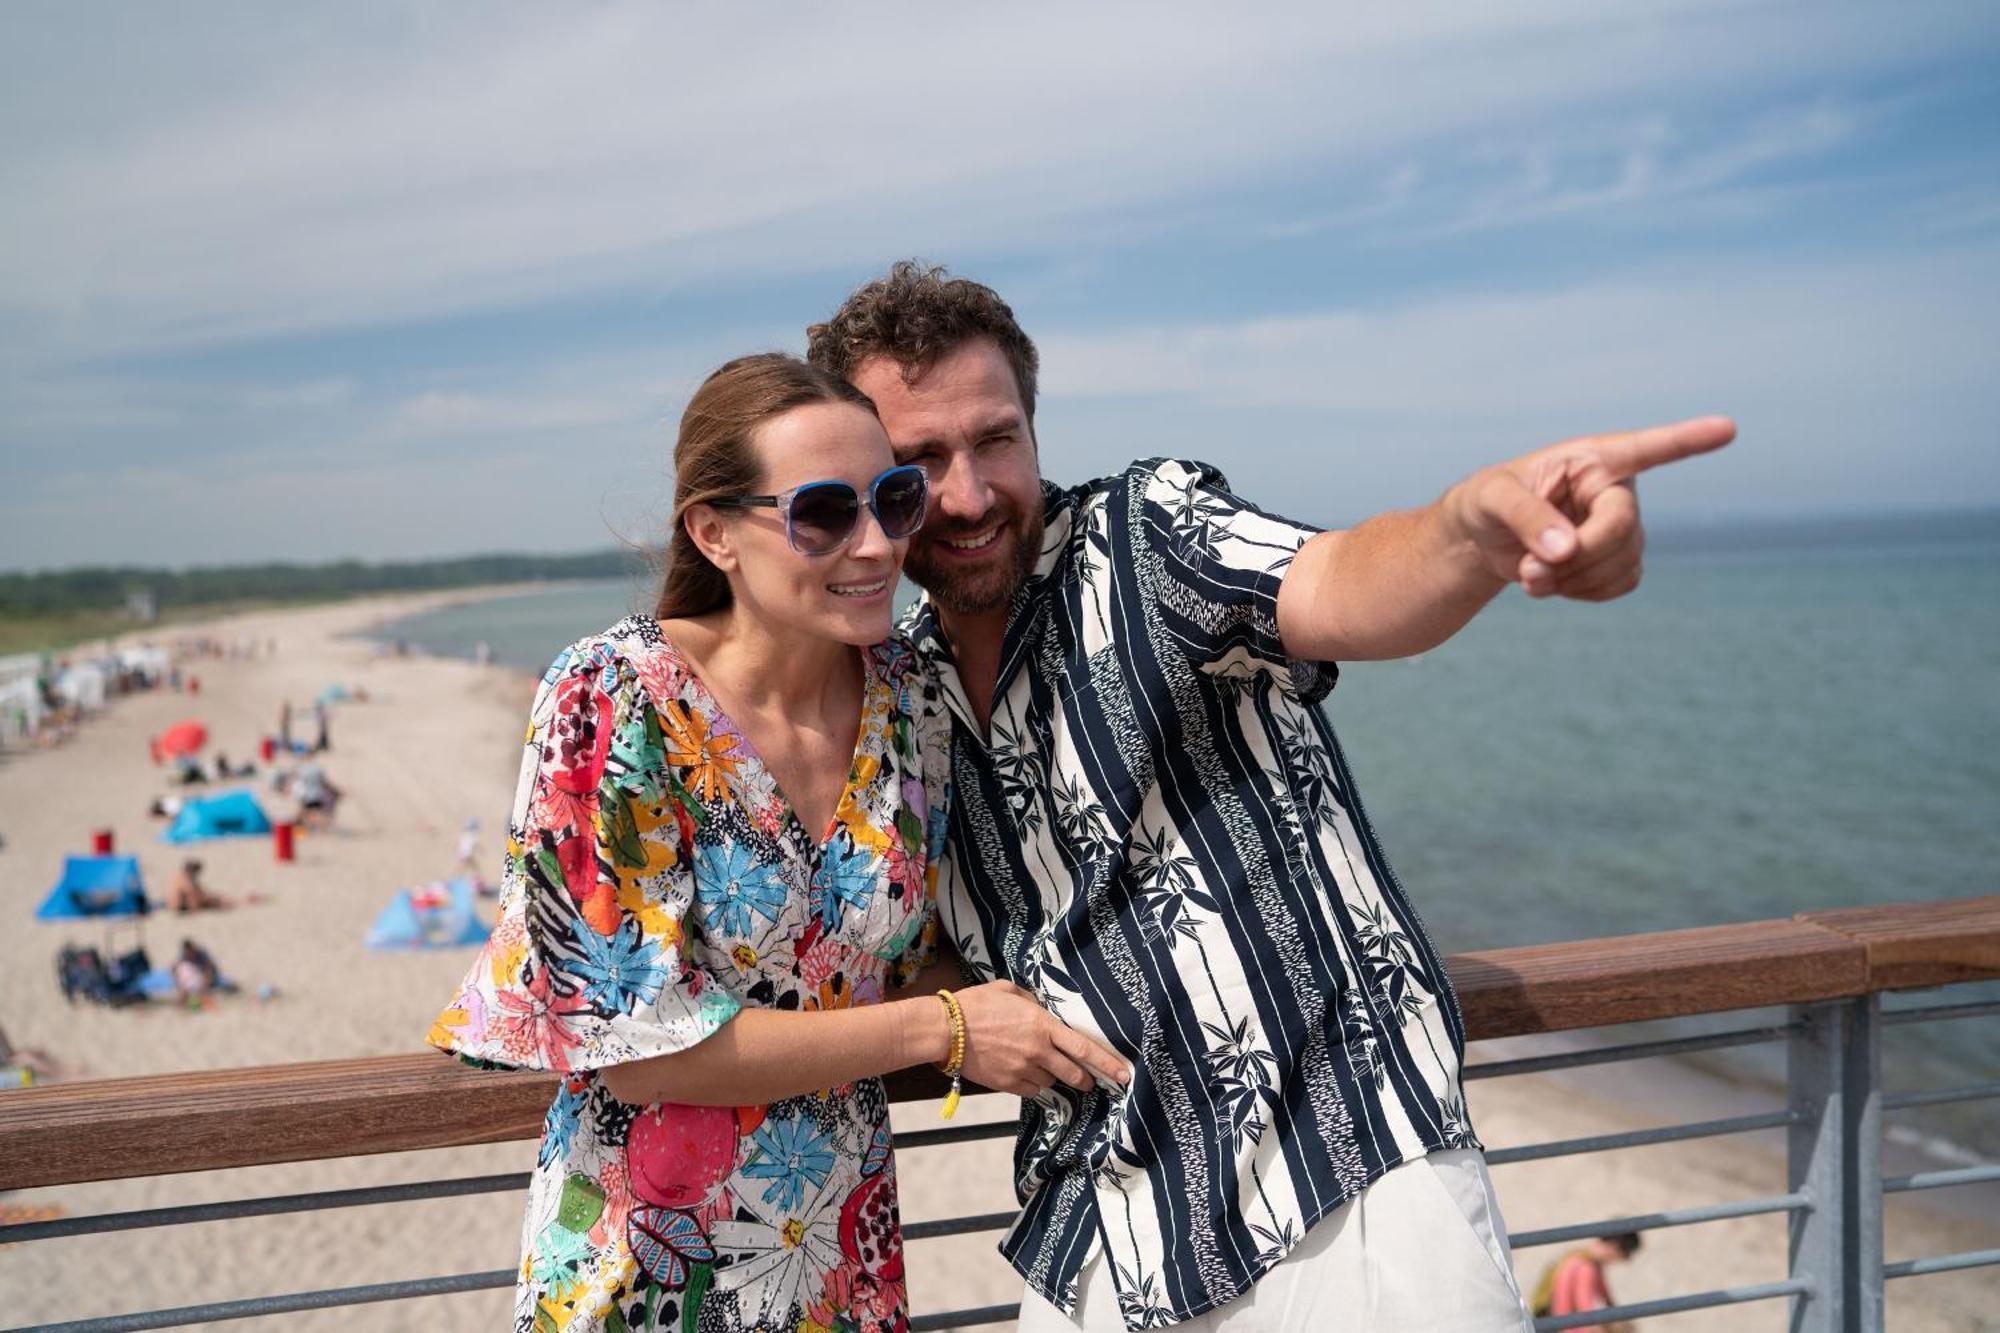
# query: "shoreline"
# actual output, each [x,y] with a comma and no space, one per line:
[431,639]
[438,741]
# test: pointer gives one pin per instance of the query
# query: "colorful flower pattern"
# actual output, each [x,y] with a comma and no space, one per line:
[656,884]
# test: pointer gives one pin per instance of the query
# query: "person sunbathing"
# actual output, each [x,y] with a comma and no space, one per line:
[196,976]
[187,894]
[32,1061]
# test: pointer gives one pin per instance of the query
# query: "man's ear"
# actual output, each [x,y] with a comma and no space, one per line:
[711,535]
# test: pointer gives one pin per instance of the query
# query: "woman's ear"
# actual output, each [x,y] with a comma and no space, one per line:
[711,535]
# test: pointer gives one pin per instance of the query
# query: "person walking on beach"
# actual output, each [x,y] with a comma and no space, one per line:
[721,858]
[1574,1284]
[1154,831]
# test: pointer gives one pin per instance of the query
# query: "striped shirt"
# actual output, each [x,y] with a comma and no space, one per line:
[1158,836]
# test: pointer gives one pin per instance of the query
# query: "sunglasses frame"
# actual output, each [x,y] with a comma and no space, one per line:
[785,501]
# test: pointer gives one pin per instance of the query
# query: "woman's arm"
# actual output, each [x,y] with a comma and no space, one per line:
[763,1055]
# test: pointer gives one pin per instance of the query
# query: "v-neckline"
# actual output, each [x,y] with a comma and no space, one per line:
[871,688]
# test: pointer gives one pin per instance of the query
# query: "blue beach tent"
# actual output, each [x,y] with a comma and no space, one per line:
[437,916]
[95,886]
[228,814]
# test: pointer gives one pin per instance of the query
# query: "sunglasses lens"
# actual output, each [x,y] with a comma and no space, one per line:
[822,517]
[900,496]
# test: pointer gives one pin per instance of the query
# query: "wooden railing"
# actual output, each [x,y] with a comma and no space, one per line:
[163,1124]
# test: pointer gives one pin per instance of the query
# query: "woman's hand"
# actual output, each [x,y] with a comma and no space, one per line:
[761,1055]
[1014,1045]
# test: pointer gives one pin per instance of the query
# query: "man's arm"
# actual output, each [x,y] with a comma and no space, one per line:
[1562,522]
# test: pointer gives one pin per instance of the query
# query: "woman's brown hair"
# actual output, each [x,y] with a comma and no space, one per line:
[713,459]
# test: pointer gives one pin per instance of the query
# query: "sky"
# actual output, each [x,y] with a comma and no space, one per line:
[399,280]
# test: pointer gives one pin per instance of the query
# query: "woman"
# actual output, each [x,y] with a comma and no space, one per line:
[720,858]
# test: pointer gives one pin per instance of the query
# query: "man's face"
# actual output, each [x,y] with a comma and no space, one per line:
[962,421]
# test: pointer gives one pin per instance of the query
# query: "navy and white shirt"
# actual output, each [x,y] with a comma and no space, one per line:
[1160,838]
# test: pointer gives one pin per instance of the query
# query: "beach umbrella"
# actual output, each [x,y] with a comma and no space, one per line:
[182,738]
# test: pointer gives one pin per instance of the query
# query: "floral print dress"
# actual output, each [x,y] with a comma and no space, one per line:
[656,883]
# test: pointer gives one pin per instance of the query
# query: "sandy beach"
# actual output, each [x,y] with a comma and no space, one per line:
[438,742]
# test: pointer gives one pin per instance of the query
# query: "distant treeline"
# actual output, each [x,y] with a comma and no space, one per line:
[108,588]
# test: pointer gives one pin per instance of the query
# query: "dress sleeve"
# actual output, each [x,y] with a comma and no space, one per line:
[588,964]
[922,700]
[1215,564]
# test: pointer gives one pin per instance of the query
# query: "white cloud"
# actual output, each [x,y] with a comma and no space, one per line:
[169,185]
[435,413]
[469,161]
[1645,165]
[1854,384]
[1849,380]
[1911,324]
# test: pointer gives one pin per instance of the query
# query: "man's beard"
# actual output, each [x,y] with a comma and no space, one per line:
[971,592]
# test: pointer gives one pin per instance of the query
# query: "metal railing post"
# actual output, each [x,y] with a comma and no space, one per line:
[1833,1157]
[1864,1110]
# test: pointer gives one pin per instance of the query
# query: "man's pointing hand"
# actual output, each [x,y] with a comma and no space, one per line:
[1564,521]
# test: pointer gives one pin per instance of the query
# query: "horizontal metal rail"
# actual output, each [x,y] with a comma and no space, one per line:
[1973,1093]
[289,1303]
[1641,1050]
[1702,1300]
[1938,1013]
[1677,1217]
[1814,962]
[985,1314]
[1639,1138]
[1942,1263]
[1938,1180]
[277,1203]
[957,1226]
[931,1138]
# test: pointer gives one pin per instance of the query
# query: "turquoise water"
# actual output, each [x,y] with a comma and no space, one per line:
[1753,734]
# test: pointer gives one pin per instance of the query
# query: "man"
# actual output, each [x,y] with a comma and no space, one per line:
[1574,1284]
[1153,829]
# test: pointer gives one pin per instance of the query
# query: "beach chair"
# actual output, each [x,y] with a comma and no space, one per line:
[84,975]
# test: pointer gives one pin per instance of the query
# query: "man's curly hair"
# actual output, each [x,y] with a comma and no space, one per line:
[915,315]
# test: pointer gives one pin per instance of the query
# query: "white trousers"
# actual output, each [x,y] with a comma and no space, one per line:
[1422,1250]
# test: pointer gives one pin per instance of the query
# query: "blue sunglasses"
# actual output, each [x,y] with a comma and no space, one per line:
[820,516]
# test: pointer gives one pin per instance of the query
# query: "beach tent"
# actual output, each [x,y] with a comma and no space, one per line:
[149,662]
[21,708]
[436,916]
[95,886]
[20,666]
[83,685]
[335,693]
[228,814]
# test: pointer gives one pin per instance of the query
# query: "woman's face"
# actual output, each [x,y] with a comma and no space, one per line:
[847,594]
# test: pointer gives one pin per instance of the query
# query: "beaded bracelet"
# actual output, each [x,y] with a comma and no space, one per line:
[954,1063]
